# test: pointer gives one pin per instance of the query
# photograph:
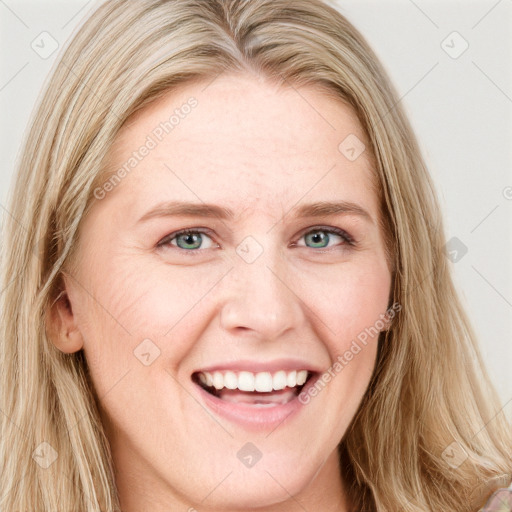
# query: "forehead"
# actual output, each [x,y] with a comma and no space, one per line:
[244,138]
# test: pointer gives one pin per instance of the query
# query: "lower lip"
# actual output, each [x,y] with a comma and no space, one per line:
[253,417]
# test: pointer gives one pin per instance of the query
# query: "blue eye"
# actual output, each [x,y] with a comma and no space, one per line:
[190,240]
[320,237]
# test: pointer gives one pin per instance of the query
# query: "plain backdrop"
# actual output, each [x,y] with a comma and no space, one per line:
[451,63]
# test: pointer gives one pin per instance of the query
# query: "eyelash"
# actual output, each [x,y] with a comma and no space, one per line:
[165,242]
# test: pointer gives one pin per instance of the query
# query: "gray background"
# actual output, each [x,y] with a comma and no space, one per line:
[459,103]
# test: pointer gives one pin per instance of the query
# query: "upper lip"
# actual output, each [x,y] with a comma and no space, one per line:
[261,366]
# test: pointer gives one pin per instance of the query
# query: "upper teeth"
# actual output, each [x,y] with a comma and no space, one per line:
[248,381]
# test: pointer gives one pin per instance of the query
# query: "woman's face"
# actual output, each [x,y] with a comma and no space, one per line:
[261,292]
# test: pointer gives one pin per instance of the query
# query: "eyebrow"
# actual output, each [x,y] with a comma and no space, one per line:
[318,209]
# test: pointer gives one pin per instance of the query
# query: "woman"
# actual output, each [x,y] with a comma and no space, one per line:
[178,334]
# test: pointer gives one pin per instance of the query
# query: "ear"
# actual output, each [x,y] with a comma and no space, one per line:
[388,320]
[61,325]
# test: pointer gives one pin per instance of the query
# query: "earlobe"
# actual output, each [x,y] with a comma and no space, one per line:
[388,320]
[62,329]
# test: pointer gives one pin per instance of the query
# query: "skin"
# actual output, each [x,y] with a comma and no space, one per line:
[261,150]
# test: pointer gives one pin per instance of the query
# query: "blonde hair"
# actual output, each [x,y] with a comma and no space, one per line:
[429,391]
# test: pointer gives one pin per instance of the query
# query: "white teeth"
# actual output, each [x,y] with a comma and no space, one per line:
[230,380]
[218,380]
[291,379]
[279,380]
[302,376]
[263,382]
[248,381]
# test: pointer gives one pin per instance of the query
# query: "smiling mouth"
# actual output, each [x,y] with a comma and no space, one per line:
[263,389]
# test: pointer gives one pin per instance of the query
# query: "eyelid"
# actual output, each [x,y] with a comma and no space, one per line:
[171,236]
[348,239]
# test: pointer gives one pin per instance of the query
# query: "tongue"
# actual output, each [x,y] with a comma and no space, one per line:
[254,397]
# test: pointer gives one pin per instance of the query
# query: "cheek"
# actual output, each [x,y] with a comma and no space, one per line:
[125,305]
[154,300]
[350,302]
[349,299]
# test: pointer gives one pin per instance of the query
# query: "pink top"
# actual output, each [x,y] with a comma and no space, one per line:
[500,501]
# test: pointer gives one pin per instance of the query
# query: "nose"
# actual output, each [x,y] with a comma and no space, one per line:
[260,301]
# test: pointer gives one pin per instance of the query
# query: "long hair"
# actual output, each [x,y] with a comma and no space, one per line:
[429,399]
